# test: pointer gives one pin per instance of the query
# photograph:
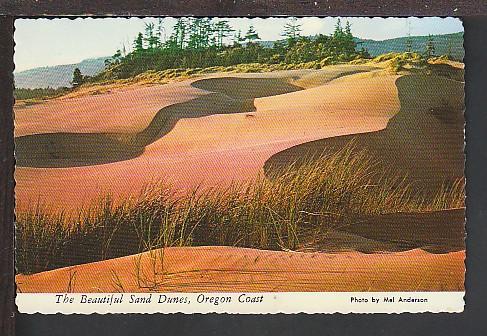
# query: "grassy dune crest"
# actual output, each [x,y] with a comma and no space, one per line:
[324,192]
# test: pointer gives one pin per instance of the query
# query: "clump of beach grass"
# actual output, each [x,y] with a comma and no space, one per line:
[268,212]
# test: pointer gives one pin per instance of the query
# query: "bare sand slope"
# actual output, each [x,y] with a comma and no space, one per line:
[227,269]
[129,109]
[61,147]
[221,147]
[424,141]
[124,110]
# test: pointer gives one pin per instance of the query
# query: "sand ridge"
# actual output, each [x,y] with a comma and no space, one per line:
[229,269]
[219,148]
[424,141]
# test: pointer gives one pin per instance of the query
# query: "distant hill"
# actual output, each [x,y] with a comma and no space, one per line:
[58,75]
[442,45]
[375,48]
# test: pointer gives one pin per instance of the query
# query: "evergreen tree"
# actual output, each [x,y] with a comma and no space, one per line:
[194,33]
[430,47]
[199,42]
[251,36]
[160,32]
[139,43]
[348,30]
[223,30]
[348,40]
[151,37]
[292,29]
[179,35]
[338,32]
[343,40]
[238,38]
[200,33]
[77,77]
[117,57]
[207,33]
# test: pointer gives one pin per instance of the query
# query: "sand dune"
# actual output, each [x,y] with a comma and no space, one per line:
[228,127]
[225,95]
[382,254]
[423,142]
[231,95]
[216,148]
[124,110]
[228,269]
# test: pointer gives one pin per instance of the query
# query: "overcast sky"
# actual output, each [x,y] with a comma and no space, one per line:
[44,42]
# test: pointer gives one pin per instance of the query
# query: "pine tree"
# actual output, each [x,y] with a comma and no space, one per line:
[348,40]
[151,37]
[160,32]
[292,29]
[200,33]
[194,34]
[430,47]
[338,32]
[238,38]
[343,40]
[348,30]
[337,37]
[117,56]
[251,36]
[207,32]
[223,30]
[77,77]
[178,37]
[139,43]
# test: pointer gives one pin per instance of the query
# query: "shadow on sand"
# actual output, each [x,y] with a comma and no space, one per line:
[423,141]
[229,95]
[433,231]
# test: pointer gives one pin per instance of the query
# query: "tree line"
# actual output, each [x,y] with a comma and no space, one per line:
[207,42]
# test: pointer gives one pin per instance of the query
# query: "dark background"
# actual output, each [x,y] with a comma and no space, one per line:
[246,7]
[471,322]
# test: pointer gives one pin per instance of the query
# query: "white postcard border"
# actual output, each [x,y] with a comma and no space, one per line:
[241,303]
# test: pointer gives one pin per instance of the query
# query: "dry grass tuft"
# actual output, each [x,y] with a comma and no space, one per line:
[267,213]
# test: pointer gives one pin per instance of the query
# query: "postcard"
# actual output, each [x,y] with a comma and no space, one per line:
[239,165]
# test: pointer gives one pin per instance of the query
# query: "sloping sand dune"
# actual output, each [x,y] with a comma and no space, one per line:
[212,149]
[130,109]
[124,110]
[227,269]
[423,142]
[225,95]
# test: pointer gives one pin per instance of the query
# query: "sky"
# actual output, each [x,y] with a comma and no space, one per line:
[48,42]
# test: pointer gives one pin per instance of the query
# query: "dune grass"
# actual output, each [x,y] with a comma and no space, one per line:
[269,213]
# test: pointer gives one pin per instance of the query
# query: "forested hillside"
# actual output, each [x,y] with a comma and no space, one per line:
[447,44]
[204,42]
